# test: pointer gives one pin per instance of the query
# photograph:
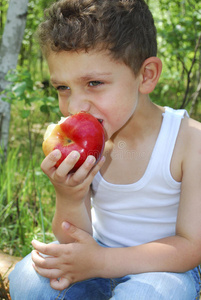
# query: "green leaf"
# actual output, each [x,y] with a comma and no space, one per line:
[55,109]
[19,89]
[51,99]
[11,76]
[25,113]
[44,108]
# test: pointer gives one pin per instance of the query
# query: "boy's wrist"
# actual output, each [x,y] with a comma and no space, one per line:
[70,200]
[103,265]
[112,264]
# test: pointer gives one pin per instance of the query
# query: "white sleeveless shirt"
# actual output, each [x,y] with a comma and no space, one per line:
[138,213]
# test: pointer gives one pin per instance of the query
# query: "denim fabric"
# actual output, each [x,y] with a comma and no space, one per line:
[26,284]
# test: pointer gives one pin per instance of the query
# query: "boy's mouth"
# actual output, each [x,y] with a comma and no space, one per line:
[100,121]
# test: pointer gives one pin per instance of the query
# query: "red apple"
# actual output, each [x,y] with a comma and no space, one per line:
[81,132]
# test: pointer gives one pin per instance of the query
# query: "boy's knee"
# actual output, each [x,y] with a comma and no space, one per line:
[155,286]
[22,279]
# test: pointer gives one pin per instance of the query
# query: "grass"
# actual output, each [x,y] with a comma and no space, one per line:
[4,289]
[22,218]
[26,194]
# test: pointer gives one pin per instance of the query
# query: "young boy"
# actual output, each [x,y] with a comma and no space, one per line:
[145,191]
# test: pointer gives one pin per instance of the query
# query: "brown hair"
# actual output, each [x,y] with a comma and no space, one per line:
[124,27]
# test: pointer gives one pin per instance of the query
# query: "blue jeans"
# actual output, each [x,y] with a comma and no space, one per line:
[26,284]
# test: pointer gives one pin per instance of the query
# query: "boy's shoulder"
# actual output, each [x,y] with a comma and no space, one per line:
[186,158]
[191,135]
[191,128]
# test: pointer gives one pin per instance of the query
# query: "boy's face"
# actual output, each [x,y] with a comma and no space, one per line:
[95,83]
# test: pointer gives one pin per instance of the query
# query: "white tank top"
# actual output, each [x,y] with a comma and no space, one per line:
[134,214]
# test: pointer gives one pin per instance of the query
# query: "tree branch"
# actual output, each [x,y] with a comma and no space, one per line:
[185,101]
[194,98]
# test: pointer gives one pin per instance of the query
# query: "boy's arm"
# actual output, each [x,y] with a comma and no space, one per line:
[177,253]
[72,191]
[76,213]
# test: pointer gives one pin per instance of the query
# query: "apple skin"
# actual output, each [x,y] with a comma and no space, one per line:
[81,132]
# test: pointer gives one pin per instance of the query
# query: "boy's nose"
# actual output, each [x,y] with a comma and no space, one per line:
[77,104]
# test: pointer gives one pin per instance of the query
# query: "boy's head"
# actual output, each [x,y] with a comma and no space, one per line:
[124,27]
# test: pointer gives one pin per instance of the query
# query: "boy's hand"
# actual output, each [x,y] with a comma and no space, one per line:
[67,184]
[68,263]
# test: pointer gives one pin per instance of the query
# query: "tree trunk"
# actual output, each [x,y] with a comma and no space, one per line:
[9,51]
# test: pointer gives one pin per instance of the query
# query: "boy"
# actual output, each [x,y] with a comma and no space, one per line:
[145,191]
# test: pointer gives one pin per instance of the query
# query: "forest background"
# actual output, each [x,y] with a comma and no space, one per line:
[26,195]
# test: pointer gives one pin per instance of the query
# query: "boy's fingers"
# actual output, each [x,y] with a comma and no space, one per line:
[67,165]
[96,168]
[98,165]
[47,249]
[44,261]
[60,284]
[80,175]
[50,160]
[78,234]
[48,273]
[87,171]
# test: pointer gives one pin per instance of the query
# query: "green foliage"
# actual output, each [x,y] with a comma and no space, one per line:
[3,11]
[21,189]
[22,183]
[30,55]
[21,180]
[22,88]
[179,30]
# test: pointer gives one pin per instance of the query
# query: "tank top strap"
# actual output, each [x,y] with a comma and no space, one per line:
[172,121]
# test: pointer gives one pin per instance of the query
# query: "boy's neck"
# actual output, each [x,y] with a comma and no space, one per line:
[146,119]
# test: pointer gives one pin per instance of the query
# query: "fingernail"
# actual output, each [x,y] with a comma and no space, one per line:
[102,159]
[35,242]
[75,154]
[57,154]
[66,225]
[91,159]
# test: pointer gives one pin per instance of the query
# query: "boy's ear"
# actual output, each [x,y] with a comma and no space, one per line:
[150,74]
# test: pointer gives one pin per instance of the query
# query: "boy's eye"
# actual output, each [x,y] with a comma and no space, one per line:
[95,83]
[62,88]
